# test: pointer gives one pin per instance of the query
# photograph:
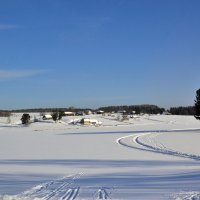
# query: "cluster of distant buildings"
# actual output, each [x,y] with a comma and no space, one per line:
[122,115]
[85,121]
[70,113]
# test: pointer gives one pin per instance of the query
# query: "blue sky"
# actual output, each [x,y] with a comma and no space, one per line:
[91,53]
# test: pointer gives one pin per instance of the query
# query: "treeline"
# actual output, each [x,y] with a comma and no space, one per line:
[146,108]
[149,109]
[188,110]
[49,110]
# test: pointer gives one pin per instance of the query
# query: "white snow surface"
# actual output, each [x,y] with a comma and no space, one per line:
[150,157]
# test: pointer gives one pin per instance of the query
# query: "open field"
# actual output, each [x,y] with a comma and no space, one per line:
[151,157]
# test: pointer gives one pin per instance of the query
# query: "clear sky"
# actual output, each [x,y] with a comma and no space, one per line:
[91,53]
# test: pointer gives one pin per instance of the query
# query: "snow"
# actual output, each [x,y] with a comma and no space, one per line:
[149,157]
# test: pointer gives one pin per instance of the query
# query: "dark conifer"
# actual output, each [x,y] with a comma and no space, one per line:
[54,116]
[197,105]
[25,118]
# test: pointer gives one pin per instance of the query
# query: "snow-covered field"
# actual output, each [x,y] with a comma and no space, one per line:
[150,157]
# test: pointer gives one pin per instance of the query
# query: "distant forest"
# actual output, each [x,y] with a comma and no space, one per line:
[148,109]
[189,110]
[151,109]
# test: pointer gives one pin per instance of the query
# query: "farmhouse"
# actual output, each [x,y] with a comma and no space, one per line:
[45,117]
[88,112]
[80,113]
[69,113]
[86,121]
[123,112]
[100,112]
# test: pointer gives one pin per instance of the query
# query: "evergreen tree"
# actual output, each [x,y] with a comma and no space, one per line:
[54,116]
[60,115]
[25,118]
[197,105]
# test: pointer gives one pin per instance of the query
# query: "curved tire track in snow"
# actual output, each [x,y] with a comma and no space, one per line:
[134,141]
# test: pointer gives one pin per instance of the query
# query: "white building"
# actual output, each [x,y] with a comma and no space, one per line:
[45,117]
[69,113]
